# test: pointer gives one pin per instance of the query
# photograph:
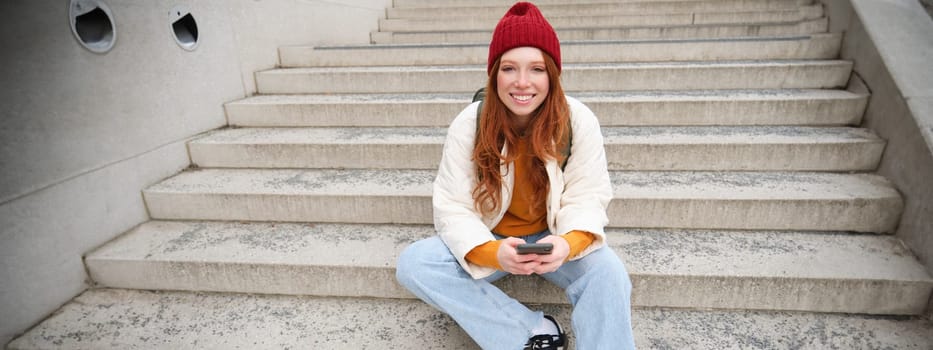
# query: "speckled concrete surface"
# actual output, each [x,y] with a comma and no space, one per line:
[570,22]
[589,9]
[832,272]
[678,5]
[758,148]
[835,272]
[625,108]
[294,195]
[730,200]
[358,135]
[315,259]
[573,21]
[301,181]
[745,200]
[802,13]
[819,46]
[118,319]
[658,32]
[495,10]
[749,185]
[124,319]
[800,74]
[366,148]
[347,110]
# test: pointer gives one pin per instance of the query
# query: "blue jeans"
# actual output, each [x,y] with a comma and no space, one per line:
[597,285]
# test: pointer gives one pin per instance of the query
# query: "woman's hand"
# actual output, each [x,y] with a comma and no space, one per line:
[526,264]
[553,261]
[514,263]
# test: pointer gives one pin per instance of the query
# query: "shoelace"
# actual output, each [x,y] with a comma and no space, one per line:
[544,342]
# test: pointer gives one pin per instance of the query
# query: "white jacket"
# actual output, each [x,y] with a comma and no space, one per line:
[577,199]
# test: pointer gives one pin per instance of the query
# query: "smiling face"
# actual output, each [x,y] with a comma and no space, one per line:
[522,80]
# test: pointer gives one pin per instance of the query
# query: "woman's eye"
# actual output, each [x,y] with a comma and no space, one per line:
[507,69]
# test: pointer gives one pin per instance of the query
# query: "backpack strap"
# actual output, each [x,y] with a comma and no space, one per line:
[567,139]
[479,95]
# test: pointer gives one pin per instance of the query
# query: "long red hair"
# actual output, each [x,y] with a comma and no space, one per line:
[546,127]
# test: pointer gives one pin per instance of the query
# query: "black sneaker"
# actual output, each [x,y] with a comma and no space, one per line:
[547,341]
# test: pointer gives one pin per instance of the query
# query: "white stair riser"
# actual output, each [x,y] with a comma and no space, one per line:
[506,3]
[183,320]
[738,157]
[650,206]
[598,9]
[605,21]
[731,112]
[345,114]
[857,156]
[610,113]
[819,47]
[861,297]
[197,257]
[290,208]
[859,215]
[832,74]
[379,156]
[682,32]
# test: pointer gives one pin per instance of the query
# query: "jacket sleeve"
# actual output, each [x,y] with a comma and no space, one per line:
[587,187]
[456,220]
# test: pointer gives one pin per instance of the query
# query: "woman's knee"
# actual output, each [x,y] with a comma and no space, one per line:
[611,270]
[406,263]
[414,259]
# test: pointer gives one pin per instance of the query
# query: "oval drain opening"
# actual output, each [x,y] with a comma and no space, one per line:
[92,24]
[184,28]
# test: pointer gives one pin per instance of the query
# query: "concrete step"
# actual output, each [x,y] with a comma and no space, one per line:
[127,319]
[717,200]
[819,25]
[635,108]
[816,46]
[803,74]
[573,21]
[506,3]
[824,272]
[772,148]
[597,9]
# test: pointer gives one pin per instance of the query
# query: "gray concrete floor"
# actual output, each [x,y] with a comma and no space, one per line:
[928,5]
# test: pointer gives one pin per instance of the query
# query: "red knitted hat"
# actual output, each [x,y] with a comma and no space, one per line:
[523,25]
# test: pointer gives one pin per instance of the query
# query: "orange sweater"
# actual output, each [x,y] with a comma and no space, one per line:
[523,217]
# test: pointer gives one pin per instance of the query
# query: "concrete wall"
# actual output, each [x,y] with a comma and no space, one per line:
[261,26]
[81,133]
[891,44]
[928,6]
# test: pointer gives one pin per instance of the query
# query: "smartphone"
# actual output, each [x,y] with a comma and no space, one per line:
[535,248]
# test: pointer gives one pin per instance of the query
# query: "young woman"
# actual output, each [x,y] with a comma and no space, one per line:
[503,181]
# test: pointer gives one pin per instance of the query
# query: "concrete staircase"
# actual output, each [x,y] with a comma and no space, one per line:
[745,206]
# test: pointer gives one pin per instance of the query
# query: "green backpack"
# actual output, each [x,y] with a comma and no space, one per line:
[480,96]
